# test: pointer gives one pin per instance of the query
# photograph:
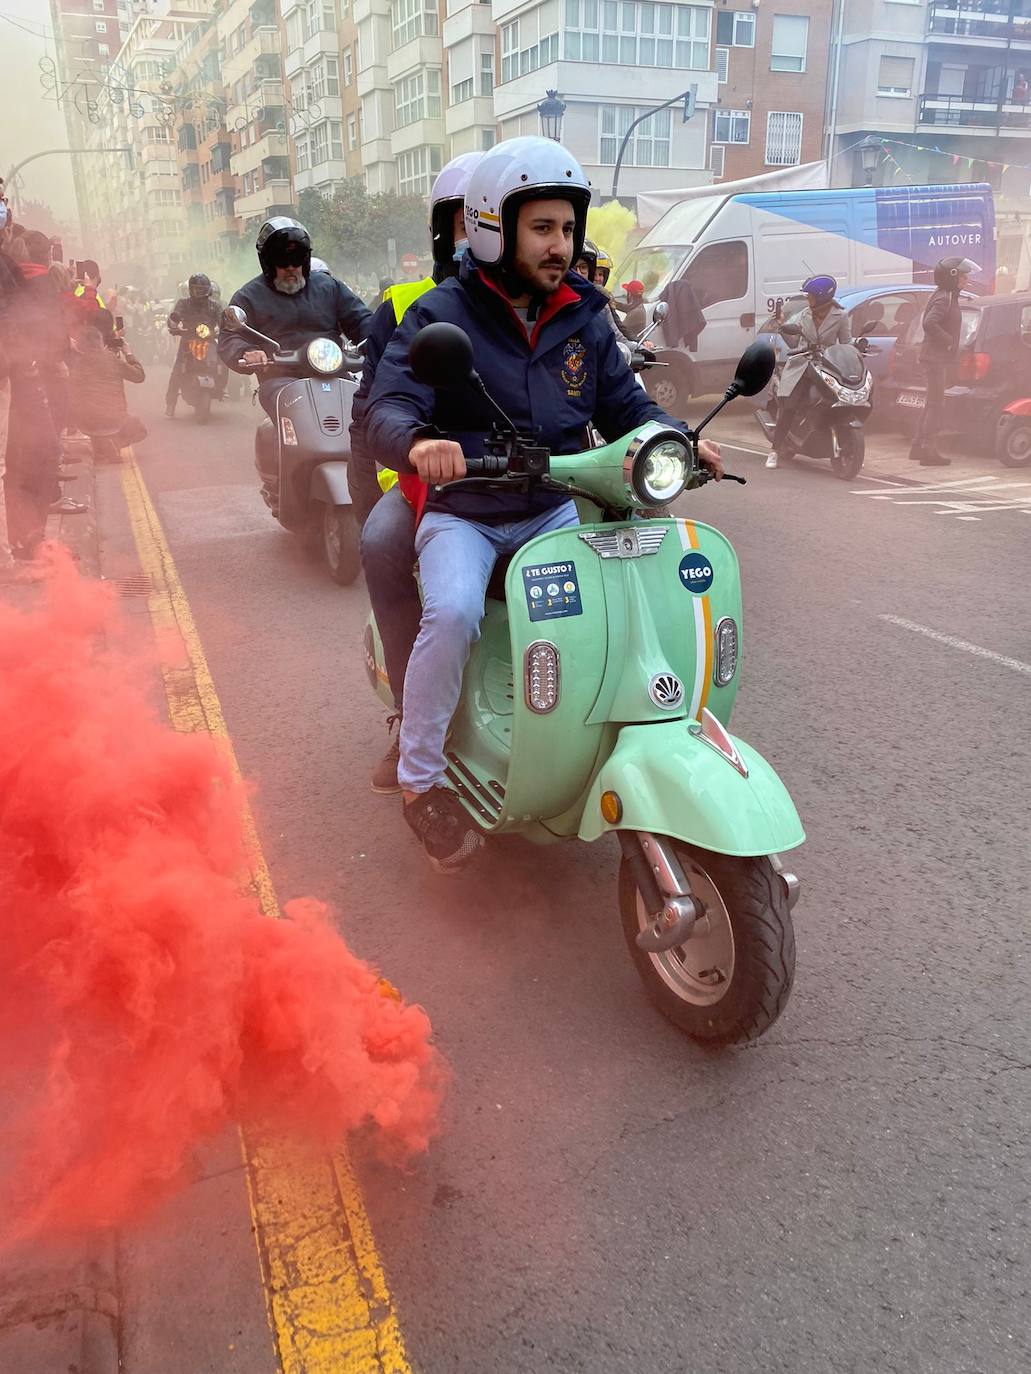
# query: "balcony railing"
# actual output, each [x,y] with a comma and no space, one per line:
[1003,19]
[962,112]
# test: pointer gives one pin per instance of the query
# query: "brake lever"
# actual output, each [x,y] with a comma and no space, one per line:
[733,477]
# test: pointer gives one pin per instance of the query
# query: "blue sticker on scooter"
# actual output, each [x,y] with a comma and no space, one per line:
[552,591]
[695,573]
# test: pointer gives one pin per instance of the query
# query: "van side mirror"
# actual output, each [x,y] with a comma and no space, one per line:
[441,356]
[233,319]
[756,367]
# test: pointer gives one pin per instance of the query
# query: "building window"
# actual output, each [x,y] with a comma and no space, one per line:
[790,36]
[722,66]
[348,67]
[352,132]
[731,126]
[319,15]
[486,73]
[98,5]
[323,79]
[103,50]
[783,139]
[301,147]
[524,48]
[416,170]
[319,144]
[462,92]
[101,26]
[717,160]
[636,35]
[896,76]
[417,97]
[488,138]
[648,145]
[736,29]
[295,29]
[412,19]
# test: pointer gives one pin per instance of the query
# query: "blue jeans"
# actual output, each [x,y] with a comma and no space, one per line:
[388,557]
[456,558]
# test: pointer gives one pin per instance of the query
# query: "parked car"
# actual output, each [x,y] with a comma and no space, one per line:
[993,370]
[882,314]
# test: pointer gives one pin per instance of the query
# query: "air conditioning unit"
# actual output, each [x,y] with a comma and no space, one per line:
[717,158]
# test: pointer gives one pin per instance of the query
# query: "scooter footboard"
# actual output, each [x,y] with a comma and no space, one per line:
[670,781]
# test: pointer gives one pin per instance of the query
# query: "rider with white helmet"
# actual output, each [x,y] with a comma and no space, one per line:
[546,353]
[388,533]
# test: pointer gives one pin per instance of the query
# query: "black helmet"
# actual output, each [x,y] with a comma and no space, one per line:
[282,242]
[588,253]
[949,270]
[200,287]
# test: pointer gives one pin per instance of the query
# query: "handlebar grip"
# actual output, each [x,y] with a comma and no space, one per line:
[488,466]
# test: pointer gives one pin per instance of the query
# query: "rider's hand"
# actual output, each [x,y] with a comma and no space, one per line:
[437,460]
[709,457]
[255,357]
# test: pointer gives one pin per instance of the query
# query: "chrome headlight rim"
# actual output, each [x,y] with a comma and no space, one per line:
[643,445]
[325,356]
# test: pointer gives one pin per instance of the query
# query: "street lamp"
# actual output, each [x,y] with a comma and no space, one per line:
[870,150]
[551,111]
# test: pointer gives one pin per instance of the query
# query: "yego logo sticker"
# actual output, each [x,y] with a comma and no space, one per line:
[695,572]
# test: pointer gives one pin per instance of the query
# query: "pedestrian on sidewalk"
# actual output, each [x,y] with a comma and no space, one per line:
[11,286]
[943,320]
[101,365]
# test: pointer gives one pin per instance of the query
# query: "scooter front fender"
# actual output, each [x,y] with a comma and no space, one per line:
[670,781]
[329,484]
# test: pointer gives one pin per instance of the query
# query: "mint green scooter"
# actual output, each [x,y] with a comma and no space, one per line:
[597,700]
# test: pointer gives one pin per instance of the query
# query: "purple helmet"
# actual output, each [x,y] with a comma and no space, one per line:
[821,290]
[447,196]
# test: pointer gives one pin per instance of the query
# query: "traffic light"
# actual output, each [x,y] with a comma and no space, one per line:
[689,99]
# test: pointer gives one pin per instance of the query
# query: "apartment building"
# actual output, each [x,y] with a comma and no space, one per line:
[470,45]
[772,63]
[256,115]
[324,109]
[204,146]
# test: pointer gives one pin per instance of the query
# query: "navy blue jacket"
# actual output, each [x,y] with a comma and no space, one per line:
[384,322]
[571,374]
[324,308]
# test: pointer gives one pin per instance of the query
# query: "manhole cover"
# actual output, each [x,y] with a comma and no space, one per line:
[135,586]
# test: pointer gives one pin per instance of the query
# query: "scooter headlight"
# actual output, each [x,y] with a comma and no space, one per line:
[324,355]
[203,331]
[660,468]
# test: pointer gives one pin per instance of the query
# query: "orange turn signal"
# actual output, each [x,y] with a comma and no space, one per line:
[611,808]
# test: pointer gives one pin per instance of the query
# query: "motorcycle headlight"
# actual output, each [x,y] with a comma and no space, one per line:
[324,355]
[657,471]
[203,331]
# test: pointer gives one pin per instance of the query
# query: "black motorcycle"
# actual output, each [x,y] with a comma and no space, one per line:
[832,400]
[302,457]
[200,381]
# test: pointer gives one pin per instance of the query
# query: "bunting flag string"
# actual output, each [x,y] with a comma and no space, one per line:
[955,158]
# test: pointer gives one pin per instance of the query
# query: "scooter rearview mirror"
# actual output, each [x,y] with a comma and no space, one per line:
[441,356]
[660,312]
[233,319]
[756,367]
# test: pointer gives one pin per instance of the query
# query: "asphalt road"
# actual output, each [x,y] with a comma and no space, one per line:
[850,1194]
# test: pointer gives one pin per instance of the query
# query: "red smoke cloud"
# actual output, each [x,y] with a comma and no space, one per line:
[144,1000]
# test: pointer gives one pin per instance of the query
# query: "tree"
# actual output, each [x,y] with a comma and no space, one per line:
[353,229]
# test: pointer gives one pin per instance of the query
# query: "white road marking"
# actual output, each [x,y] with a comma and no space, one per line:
[969,495]
[954,643]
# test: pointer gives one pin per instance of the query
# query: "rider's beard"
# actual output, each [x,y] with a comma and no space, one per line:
[290,288]
[542,276]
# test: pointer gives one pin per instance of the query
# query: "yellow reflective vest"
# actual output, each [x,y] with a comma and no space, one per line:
[401,297]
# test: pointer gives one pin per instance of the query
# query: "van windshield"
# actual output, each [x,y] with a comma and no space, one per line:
[653,267]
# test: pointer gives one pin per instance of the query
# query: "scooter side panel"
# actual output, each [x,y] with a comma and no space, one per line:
[671,782]
[319,413]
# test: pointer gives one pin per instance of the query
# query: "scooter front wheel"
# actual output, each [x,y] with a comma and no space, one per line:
[731,978]
[848,449]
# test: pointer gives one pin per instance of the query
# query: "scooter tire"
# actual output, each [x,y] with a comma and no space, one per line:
[847,453]
[751,918]
[341,544]
[670,386]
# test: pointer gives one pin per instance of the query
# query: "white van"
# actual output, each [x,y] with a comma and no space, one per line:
[722,262]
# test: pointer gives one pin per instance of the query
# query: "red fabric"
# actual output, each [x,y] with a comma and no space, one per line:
[33,269]
[558,300]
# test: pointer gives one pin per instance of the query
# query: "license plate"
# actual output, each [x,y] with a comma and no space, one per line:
[206,381]
[913,399]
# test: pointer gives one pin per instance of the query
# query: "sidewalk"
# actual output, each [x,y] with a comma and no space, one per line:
[59,1307]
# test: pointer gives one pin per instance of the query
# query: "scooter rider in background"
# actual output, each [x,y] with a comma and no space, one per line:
[942,322]
[388,535]
[289,304]
[821,323]
[198,306]
[547,355]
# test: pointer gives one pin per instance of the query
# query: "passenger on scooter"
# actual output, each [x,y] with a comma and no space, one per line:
[820,324]
[290,304]
[388,534]
[548,356]
[196,307]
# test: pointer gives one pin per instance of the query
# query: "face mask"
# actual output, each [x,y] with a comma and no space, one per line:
[460,246]
[5,215]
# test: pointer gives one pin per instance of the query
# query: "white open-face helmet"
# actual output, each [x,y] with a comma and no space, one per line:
[511,173]
[446,197]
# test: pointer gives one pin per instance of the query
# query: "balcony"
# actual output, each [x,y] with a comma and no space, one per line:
[983,21]
[463,23]
[420,53]
[322,41]
[277,192]
[475,113]
[975,115]
[251,157]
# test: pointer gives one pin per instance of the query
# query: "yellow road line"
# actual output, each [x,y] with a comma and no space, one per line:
[328,1304]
